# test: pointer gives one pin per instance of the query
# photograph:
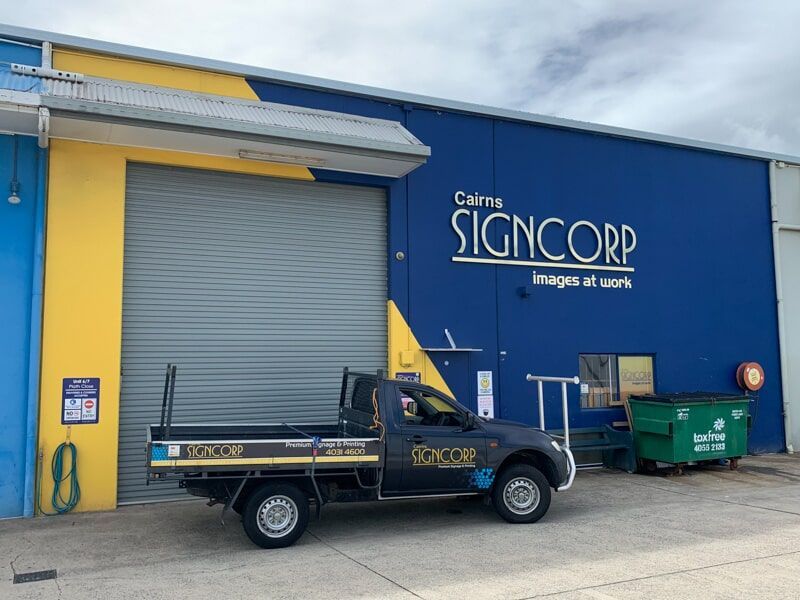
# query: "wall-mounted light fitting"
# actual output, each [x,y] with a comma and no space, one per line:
[14,198]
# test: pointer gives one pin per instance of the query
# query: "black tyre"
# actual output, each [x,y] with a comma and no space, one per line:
[275,515]
[521,494]
[647,466]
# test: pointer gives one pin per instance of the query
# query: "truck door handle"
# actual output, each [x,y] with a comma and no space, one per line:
[417,439]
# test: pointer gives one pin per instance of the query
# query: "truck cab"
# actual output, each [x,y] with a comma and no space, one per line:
[435,445]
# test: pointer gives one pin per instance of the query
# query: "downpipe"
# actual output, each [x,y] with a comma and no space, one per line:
[776,252]
[35,335]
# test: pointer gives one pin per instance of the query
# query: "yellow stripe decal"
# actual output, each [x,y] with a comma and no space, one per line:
[280,460]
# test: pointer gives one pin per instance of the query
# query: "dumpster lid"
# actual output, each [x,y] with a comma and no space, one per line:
[686,397]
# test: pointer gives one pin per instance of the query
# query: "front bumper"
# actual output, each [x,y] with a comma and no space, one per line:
[570,470]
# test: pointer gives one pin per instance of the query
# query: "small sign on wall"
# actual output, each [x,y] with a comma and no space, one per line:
[485,383]
[485,395]
[408,376]
[80,400]
[486,406]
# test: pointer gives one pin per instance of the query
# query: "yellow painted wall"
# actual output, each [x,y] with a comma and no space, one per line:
[406,354]
[83,295]
[82,334]
[138,71]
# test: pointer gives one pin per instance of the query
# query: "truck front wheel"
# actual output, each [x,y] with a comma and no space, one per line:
[275,515]
[521,494]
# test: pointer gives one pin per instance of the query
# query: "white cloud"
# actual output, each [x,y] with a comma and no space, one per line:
[722,71]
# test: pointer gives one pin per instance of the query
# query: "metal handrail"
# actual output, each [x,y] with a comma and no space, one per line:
[540,379]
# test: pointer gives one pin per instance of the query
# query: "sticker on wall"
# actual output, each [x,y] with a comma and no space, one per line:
[408,376]
[80,400]
[485,383]
[486,406]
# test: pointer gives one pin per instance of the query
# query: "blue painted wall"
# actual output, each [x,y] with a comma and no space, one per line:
[19,53]
[17,229]
[17,239]
[703,295]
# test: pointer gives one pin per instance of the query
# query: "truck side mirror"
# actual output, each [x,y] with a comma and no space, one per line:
[411,407]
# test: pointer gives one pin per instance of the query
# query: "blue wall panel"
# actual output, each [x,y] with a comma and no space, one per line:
[441,294]
[702,297]
[17,227]
[19,53]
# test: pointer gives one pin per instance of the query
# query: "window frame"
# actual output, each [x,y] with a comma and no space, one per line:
[619,405]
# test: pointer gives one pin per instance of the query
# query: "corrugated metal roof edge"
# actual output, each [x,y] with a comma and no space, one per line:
[27,34]
[244,102]
[83,107]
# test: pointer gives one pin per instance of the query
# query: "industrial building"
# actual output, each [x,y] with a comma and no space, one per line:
[262,230]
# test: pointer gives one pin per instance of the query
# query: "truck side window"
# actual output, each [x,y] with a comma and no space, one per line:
[361,398]
[422,408]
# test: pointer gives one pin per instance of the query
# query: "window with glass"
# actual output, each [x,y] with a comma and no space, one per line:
[422,408]
[608,380]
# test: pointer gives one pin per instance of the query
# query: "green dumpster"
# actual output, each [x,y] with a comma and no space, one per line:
[689,427]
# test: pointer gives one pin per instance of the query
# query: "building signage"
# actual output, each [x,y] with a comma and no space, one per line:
[80,400]
[523,241]
[635,376]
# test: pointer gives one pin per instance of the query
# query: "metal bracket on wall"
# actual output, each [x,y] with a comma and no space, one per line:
[44,127]
[47,73]
[452,347]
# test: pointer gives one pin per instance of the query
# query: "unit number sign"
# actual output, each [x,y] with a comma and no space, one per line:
[80,400]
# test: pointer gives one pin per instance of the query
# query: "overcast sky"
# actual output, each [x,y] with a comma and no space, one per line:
[722,71]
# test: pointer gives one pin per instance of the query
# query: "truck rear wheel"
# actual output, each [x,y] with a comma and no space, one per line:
[275,515]
[521,494]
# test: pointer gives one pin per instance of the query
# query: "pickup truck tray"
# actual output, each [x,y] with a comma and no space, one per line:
[201,448]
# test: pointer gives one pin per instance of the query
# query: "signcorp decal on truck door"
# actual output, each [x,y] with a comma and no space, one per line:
[444,458]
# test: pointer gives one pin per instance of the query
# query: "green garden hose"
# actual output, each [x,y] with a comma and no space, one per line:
[60,505]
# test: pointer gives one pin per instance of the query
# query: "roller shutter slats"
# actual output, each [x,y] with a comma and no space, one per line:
[261,290]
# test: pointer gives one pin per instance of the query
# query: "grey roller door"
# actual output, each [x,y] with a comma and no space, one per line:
[260,289]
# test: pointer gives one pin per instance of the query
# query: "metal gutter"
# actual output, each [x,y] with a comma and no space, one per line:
[35,335]
[26,34]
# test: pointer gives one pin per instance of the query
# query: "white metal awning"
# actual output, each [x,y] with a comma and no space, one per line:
[124,113]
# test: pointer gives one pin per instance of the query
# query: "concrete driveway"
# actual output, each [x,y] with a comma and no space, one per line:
[709,534]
